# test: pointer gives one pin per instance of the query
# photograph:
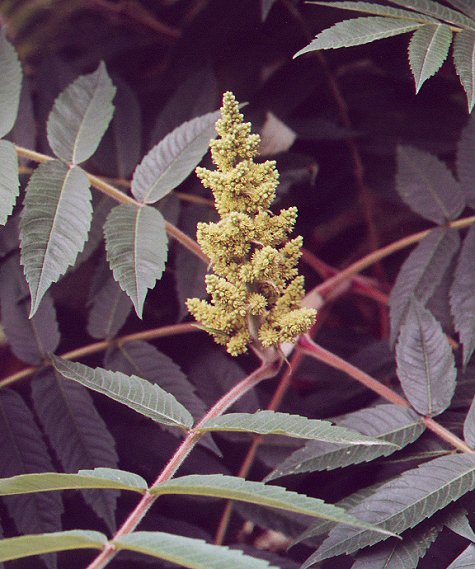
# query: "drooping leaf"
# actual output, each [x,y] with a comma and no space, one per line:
[173,159]
[109,306]
[427,186]
[137,246]
[462,303]
[144,360]
[465,6]
[80,116]
[465,164]
[77,433]
[9,182]
[274,423]
[428,50]
[98,478]
[358,31]
[234,488]
[388,422]
[121,146]
[425,362]
[56,219]
[469,425]
[437,10]
[457,522]
[26,545]
[465,560]
[188,552]
[378,10]
[134,392]
[30,339]
[403,503]
[421,273]
[23,451]
[401,554]
[464,59]
[11,74]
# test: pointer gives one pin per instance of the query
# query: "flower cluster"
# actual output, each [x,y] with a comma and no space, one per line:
[255,290]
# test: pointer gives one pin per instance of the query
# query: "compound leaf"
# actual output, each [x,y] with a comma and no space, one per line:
[462,302]
[390,423]
[188,552]
[173,159]
[378,10]
[30,339]
[80,116]
[54,226]
[427,186]
[437,10]
[26,545]
[402,503]
[465,6]
[10,87]
[77,433]
[421,273]
[359,31]
[466,560]
[428,50]
[134,392]
[9,181]
[234,488]
[137,246]
[273,423]
[48,481]
[425,362]
[469,425]
[464,60]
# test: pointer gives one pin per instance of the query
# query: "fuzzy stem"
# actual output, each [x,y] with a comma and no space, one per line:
[265,371]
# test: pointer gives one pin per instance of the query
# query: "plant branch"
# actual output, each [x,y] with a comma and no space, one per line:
[152,334]
[266,370]
[309,347]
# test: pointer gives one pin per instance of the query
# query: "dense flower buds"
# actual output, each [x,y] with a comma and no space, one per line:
[255,290]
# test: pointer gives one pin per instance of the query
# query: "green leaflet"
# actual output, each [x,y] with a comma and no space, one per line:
[188,552]
[173,159]
[26,545]
[437,10]
[80,116]
[464,60]
[378,10]
[234,488]
[48,481]
[54,226]
[403,503]
[359,31]
[9,181]
[137,246]
[134,392]
[428,50]
[10,85]
[272,423]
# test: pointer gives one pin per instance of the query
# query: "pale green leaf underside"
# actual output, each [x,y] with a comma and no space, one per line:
[188,552]
[428,50]
[466,560]
[437,10]
[173,158]
[359,31]
[9,182]
[10,85]
[378,10]
[234,488]
[18,547]
[56,218]
[403,503]
[80,116]
[137,246]
[272,423]
[464,59]
[48,481]
[139,394]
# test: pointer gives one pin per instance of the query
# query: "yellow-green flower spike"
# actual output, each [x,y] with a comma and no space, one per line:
[255,290]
